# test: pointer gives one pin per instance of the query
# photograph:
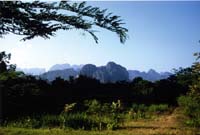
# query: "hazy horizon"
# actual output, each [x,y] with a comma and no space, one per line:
[48,69]
[162,36]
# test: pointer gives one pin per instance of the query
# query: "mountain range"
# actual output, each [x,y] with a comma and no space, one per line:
[65,66]
[32,71]
[111,72]
[151,75]
[65,74]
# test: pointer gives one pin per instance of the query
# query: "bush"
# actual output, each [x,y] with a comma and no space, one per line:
[191,107]
[141,111]
[51,121]
[26,122]
[75,121]
[106,114]
[137,111]
[98,116]
[158,108]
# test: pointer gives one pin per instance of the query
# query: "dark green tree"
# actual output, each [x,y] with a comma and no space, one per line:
[43,19]
[142,87]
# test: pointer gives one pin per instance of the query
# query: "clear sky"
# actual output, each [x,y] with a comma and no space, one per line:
[162,36]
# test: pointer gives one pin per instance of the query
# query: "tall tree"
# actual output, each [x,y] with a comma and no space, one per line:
[43,19]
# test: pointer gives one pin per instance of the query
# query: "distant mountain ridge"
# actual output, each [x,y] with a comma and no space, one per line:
[151,75]
[64,74]
[111,72]
[32,71]
[65,66]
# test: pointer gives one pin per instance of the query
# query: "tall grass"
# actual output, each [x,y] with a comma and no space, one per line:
[98,116]
[141,111]
[71,120]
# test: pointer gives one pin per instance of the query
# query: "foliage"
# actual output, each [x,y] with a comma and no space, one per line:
[90,120]
[158,108]
[75,121]
[33,95]
[191,101]
[143,87]
[101,111]
[11,75]
[116,115]
[141,111]
[32,19]
[68,107]
[191,107]
[4,63]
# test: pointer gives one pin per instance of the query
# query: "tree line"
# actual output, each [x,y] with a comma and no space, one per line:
[28,94]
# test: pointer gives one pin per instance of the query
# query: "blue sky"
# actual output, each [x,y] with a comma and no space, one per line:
[162,36]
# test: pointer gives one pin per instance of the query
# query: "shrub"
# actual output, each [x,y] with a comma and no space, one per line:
[107,114]
[137,111]
[51,121]
[80,121]
[98,116]
[26,122]
[141,111]
[191,107]
[158,108]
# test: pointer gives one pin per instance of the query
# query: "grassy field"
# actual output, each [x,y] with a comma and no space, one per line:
[165,124]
